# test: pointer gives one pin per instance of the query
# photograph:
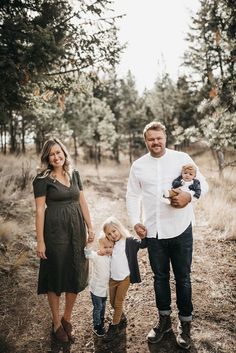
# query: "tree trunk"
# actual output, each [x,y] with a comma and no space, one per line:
[130,148]
[220,61]
[23,135]
[75,145]
[96,155]
[38,142]
[99,154]
[13,142]
[5,139]
[221,161]
[1,138]
[116,152]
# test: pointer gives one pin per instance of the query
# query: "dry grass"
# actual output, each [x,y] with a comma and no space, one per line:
[11,255]
[219,205]
[16,174]
[8,231]
[221,212]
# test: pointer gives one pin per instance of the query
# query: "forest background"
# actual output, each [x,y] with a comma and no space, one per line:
[58,76]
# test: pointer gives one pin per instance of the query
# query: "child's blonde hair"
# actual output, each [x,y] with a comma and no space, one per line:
[104,240]
[189,167]
[112,221]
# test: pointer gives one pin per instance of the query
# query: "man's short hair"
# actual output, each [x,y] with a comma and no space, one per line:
[154,125]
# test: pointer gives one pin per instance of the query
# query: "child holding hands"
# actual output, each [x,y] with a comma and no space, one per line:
[124,270]
[98,283]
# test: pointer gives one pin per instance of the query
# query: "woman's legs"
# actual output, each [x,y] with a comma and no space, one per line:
[70,299]
[54,301]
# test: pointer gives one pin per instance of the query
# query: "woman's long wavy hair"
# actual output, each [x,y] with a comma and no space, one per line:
[46,167]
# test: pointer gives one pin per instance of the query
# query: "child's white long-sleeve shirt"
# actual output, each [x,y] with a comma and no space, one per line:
[119,262]
[101,267]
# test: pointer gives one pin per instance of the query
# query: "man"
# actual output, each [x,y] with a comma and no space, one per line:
[168,228]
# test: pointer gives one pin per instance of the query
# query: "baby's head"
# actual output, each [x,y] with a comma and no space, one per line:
[114,230]
[105,246]
[188,172]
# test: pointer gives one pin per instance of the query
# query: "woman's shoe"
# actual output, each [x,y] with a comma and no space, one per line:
[60,334]
[68,329]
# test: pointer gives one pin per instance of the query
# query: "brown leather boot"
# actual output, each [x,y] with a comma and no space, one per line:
[123,321]
[68,329]
[60,334]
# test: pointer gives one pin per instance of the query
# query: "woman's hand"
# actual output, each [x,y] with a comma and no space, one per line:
[91,235]
[41,250]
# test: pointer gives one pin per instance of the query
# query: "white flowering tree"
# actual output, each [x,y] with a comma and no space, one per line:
[92,123]
[99,135]
[219,129]
[161,100]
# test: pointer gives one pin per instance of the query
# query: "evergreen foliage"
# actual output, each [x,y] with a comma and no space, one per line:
[58,75]
[212,54]
[44,47]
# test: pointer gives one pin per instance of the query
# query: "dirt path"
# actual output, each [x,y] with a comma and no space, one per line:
[25,320]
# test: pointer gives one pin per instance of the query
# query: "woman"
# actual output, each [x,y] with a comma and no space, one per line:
[61,229]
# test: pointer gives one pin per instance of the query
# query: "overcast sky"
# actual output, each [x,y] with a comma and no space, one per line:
[154,29]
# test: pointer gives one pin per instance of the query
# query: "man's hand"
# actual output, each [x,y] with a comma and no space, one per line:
[180,200]
[141,230]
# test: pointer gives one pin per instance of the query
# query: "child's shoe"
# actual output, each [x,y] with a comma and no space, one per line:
[123,321]
[99,330]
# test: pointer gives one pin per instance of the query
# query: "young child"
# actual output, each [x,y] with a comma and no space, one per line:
[124,270]
[186,181]
[98,283]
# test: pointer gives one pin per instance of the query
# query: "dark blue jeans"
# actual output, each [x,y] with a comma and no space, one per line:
[178,252]
[99,306]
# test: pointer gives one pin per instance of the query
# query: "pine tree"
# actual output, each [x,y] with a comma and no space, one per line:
[161,101]
[212,54]
[45,45]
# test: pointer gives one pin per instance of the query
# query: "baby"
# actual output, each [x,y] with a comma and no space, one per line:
[98,283]
[185,182]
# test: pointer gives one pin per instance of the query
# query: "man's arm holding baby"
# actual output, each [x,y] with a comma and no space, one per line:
[181,199]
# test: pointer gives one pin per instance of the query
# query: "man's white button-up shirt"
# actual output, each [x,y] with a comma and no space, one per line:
[149,177]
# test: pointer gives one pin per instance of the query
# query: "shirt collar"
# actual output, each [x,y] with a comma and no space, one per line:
[158,158]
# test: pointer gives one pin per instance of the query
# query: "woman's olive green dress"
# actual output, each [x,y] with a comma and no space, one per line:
[66,268]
